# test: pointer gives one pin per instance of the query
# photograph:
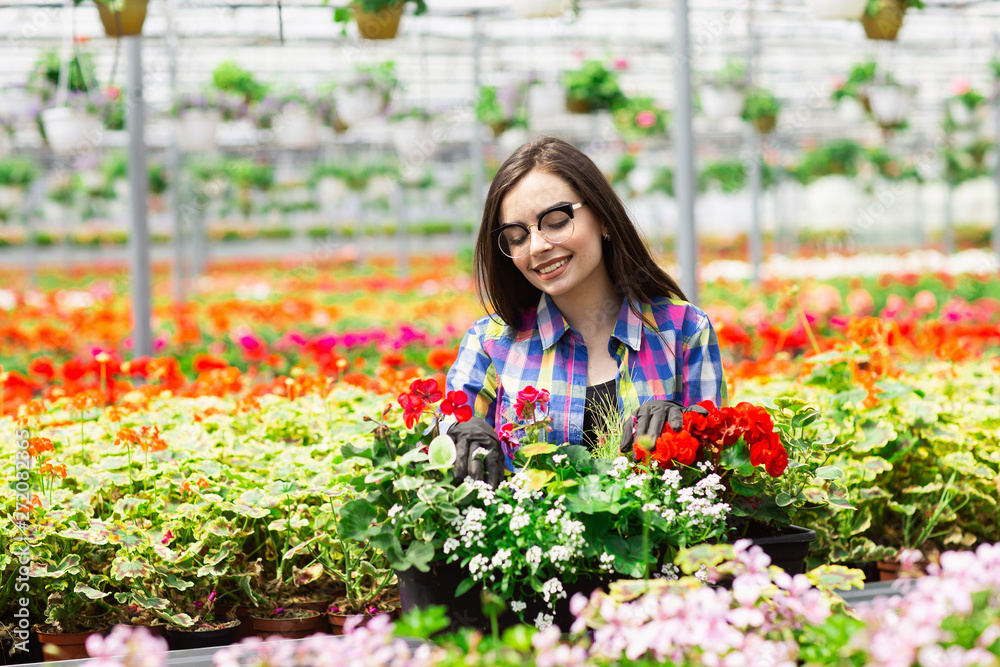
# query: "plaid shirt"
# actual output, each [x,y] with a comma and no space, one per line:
[496,361]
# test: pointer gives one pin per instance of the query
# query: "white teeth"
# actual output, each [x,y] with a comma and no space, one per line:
[553,267]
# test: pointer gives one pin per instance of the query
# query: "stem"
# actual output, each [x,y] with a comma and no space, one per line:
[809,331]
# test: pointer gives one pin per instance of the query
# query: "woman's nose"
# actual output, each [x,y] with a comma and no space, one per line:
[538,243]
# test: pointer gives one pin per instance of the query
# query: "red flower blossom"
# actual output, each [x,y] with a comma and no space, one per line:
[529,396]
[42,367]
[428,390]
[777,463]
[413,406]
[455,403]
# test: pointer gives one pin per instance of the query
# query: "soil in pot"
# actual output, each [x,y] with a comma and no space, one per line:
[221,633]
[292,624]
[64,645]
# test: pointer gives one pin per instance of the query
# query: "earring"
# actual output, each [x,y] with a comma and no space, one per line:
[607,237]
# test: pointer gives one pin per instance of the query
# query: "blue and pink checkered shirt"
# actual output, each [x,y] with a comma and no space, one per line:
[496,361]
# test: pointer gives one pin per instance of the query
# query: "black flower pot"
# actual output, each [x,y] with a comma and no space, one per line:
[178,639]
[788,550]
[419,590]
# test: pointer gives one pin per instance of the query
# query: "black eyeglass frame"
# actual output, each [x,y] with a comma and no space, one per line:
[567,208]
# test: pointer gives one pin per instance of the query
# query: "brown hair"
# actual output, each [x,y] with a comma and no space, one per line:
[505,291]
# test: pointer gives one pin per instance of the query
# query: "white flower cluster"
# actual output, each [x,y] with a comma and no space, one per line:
[394,510]
[559,458]
[484,491]
[668,571]
[543,620]
[552,590]
[636,480]
[502,559]
[519,520]
[517,606]
[471,528]
[478,566]
[621,465]
[607,562]
[534,556]
[451,544]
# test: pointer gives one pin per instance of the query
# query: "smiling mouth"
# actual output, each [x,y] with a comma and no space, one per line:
[549,268]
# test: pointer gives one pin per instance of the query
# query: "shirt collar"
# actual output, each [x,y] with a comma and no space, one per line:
[552,325]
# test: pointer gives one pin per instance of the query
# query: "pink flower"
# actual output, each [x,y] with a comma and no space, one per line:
[278,611]
[211,596]
[538,399]
[960,86]
[645,119]
[837,82]
[167,537]
[621,63]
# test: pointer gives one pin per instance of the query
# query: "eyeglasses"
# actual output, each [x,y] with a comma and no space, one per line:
[555,225]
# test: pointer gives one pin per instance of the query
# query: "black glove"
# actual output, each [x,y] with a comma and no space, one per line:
[650,418]
[470,436]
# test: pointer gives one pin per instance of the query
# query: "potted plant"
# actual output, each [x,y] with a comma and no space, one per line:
[543,8]
[410,130]
[891,167]
[368,93]
[837,157]
[641,118]
[377,19]
[229,77]
[580,519]
[292,117]
[502,108]
[74,127]
[855,88]
[368,580]
[963,103]
[721,96]
[837,9]
[197,117]
[882,19]
[890,101]
[592,87]
[760,108]
[121,18]
[16,174]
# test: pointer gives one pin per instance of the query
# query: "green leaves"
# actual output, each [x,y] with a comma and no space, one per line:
[442,453]
[355,518]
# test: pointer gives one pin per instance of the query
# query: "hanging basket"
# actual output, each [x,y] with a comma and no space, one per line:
[574,105]
[71,131]
[837,9]
[540,8]
[358,104]
[719,103]
[383,24]
[126,22]
[764,124]
[297,128]
[886,22]
[196,129]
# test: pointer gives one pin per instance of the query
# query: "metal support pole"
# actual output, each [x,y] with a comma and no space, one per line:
[476,149]
[995,238]
[174,167]
[756,166]
[142,339]
[402,231]
[948,235]
[687,251]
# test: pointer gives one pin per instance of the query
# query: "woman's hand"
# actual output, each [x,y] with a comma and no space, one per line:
[650,418]
[477,451]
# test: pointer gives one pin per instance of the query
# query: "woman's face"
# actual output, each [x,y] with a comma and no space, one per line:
[558,269]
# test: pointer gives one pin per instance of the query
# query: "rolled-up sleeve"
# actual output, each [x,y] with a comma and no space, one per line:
[473,373]
[704,377]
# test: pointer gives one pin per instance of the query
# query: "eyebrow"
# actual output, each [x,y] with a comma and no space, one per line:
[540,215]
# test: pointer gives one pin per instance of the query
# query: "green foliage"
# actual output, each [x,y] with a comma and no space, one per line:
[839,156]
[641,117]
[594,84]
[18,171]
[890,166]
[503,108]
[44,76]
[861,74]
[733,74]
[229,77]
[759,103]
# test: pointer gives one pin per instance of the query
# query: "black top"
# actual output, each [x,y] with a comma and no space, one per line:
[599,398]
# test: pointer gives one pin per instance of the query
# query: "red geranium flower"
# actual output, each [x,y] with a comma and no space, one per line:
[529,396]
[428,390]
[455,403]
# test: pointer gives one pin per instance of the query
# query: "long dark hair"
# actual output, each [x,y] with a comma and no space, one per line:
[505,291]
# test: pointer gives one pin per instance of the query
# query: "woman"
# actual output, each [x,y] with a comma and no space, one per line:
[580,309]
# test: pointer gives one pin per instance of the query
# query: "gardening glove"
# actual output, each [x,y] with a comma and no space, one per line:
[650,418]
[469,437]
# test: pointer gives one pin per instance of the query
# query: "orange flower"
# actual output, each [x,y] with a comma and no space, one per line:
[38,445]
[57,470]
[116,413]
[86,400]
[34,502]
[441,358]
